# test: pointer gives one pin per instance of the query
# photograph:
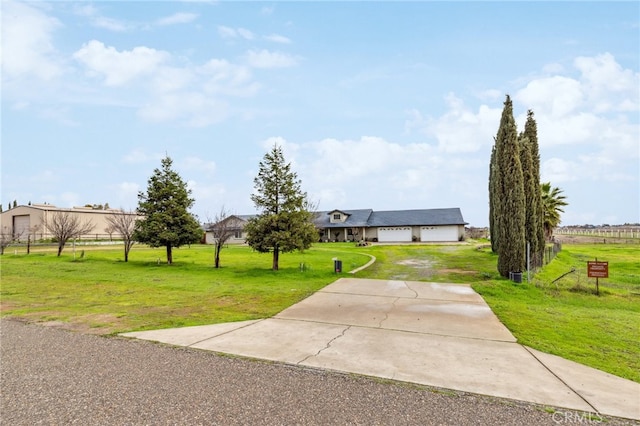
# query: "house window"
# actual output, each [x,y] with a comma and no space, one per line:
[237,234]
[336,216]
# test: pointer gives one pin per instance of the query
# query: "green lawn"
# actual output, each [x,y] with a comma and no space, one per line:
[98,292]
[102,292]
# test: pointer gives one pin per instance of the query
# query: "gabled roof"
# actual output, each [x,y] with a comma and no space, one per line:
[355,218]
[235,218]
[450,216]
[369,218]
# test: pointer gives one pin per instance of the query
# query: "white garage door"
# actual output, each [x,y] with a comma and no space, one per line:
[438,233]
[394,234]
[21,226]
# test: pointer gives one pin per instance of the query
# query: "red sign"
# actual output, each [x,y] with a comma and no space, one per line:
[597,269]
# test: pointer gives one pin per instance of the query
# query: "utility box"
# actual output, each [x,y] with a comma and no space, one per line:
[337,266]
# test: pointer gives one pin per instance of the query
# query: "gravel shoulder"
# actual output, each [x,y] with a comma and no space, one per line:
[53,376]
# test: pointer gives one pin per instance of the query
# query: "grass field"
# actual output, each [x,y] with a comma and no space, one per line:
[99,293]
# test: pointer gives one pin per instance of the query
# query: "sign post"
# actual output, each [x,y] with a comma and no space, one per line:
[597,270]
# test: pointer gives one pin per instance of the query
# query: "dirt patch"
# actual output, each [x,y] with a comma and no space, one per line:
[97,324]
[417,263]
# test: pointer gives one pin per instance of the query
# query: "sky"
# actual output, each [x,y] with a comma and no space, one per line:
[377,105]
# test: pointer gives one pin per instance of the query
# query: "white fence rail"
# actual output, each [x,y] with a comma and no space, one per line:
[600,232]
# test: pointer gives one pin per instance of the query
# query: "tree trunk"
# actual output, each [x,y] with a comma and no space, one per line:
[126,252]
[60,247]
[217,256]
[169,255]
[276,256]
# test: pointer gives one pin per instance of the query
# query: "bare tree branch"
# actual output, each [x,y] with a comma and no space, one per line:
[64,226]
[7,237]
[223,226]
[123,223]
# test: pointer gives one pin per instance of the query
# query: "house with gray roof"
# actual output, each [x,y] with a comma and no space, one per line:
[393,226]
[425,225]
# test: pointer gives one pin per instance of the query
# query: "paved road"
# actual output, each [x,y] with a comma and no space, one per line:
[51,376]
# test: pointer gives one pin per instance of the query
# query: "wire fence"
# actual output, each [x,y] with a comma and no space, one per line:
[551,251]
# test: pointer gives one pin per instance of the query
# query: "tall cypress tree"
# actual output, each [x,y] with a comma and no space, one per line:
[531,220]
[537,240]
[509,193]
[493,203]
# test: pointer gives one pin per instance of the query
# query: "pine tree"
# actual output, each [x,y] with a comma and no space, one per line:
[509,193]
[284,223]
[538,240]
[165,206]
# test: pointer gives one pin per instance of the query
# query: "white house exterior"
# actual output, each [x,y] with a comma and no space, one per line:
[234,224]
[394,226]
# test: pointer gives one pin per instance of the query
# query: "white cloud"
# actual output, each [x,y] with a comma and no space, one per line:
[126,195]
[603,72]
[194,95]
[276,38]
[207,194]
[27,46]
[558,170]
[231,33]
[58,114]
[170,79]
[223,77]
[602,86]
[97,20]
[137,156]
[197,164]
[267,10]
[609,87]
[462,130]
[372,172]
[555,96]
[177,18]
[267,59]
[111,24]
[69,199]
[119,67]
[191,108]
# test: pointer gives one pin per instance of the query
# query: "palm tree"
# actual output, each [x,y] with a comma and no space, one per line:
[552,202]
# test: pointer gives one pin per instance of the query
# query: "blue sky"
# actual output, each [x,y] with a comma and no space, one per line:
[382,105]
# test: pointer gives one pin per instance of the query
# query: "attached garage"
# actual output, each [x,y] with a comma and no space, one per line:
[394,234]
[439,233]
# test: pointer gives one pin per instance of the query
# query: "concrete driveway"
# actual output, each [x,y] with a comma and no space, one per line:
[442,335]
